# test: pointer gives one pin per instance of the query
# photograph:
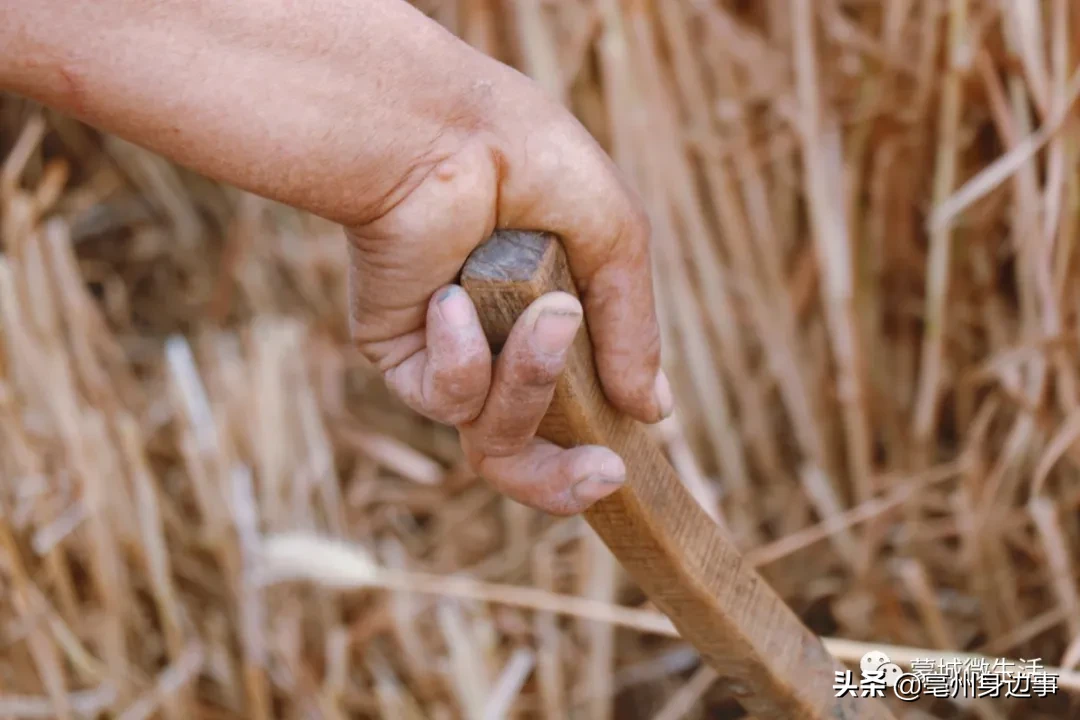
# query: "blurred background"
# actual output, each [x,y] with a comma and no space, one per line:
[865,224]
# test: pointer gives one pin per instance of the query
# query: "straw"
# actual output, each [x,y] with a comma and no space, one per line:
[864,220]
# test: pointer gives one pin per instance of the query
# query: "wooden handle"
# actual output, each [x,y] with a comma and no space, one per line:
[765,657]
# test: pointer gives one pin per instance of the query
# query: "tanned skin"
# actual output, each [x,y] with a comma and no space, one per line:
[370,114]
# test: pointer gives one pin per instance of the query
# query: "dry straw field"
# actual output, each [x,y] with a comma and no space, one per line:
[866,216]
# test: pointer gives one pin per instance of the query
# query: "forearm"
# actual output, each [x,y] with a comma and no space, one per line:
[355,99]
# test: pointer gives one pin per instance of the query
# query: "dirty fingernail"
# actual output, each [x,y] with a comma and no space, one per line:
[455,306]
[555,329]
[665,400]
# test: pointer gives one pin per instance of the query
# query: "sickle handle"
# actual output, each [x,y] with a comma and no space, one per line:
[764,655]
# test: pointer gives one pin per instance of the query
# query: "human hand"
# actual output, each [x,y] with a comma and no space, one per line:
[368,113]
[529,164]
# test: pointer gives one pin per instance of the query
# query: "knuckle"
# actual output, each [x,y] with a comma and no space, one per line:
[455,385]
[504,443]
[538,372]
[636,399]
[629,387]
[631,231]
[462,382]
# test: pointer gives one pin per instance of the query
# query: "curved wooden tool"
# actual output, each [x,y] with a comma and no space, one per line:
[764,655]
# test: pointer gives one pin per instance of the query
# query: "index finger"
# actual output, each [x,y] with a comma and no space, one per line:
[568,186]
[614,278]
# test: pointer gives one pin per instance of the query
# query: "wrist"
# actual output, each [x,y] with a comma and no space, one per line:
[339,108]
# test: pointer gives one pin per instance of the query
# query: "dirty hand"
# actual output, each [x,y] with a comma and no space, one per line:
[527,164]
[539,170]
[368,113]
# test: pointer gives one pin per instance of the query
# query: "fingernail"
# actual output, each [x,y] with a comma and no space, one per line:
[597,486]
[665,400]
[555,329]
[604,481]
[455,306]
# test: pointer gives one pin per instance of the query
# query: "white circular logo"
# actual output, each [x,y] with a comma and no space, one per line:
[893,673]
[873,661]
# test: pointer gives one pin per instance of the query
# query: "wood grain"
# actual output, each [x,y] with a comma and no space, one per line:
[764,655]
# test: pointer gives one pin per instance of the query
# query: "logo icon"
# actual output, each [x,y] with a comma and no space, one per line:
[952,676]
[877,667]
